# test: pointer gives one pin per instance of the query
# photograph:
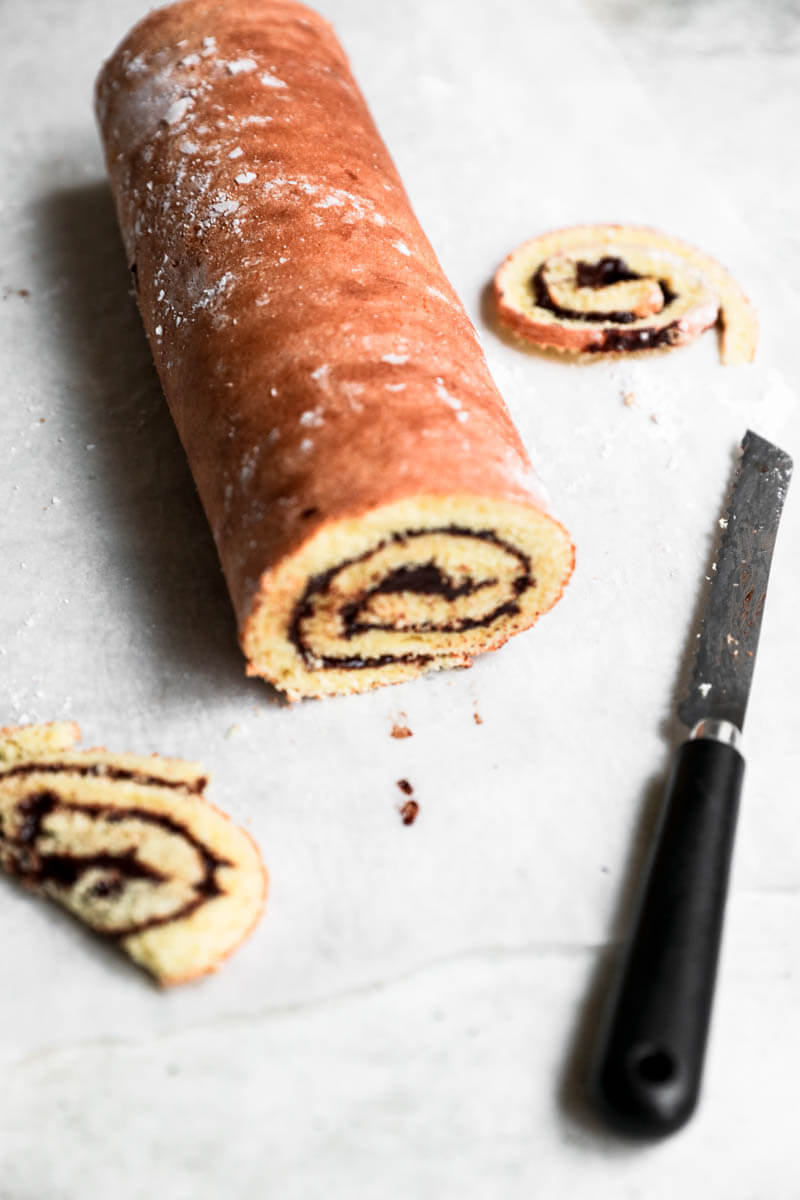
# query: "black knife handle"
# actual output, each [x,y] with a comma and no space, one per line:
[646,1077]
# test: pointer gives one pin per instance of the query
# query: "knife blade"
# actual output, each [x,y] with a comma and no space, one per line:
[647,1071]
[728,638]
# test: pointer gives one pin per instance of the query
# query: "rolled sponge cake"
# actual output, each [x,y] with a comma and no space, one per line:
[374,509]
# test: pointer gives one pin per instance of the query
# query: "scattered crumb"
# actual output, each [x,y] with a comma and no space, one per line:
[654,418]
[405,786]
[401,731]
[477,718]
[628,399]
[409,812]
[233,730]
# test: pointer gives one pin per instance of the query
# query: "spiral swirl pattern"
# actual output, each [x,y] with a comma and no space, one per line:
[612,288]
[130,846]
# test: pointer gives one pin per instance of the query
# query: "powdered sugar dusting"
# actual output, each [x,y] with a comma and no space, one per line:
[443,394]
[177,110]
[249,463]
[217,289]
[272,81]
[240,66]
[355,207]
[280,183]
[434,291]
[136,66]
[312,416]
[201,192]
[221,208]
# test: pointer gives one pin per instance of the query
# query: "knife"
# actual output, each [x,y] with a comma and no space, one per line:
[645,1079]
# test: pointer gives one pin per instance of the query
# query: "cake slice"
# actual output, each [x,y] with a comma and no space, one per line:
[129,845]
[612,288]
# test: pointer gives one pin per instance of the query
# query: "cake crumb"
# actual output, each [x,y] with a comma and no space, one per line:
[409,812]
[405,786]
[477,718]
[628,399]
[401,731]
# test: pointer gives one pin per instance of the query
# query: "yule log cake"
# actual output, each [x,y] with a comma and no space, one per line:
[374,509]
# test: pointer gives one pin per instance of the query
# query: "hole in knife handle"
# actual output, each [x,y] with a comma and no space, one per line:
[653,1064]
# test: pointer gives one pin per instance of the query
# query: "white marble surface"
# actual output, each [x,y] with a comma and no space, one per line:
[411,1018]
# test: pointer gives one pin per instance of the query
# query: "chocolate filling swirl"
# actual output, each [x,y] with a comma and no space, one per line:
[598,275]
[69,875]
[420,579]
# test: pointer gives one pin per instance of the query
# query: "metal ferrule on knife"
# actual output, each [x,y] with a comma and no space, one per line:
[718,731]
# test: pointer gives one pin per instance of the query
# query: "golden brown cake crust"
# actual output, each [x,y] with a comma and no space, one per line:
[316,360]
